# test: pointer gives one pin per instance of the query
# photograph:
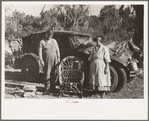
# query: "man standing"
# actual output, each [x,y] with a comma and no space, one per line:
[49,56]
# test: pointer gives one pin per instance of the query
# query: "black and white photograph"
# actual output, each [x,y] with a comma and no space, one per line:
[75,54]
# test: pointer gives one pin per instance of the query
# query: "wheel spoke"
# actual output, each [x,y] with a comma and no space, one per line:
[71,63]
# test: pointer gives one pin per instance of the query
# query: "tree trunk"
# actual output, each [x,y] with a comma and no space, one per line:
[139,30]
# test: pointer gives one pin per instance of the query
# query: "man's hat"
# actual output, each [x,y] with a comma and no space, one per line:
[50,32]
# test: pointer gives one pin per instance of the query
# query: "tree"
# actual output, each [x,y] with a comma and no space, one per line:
[72,17]
[118,23]
[95,26]
[12,24]
[137,16]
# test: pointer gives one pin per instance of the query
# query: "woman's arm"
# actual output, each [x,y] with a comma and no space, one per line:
[107,59]
[91,56]
[106,68]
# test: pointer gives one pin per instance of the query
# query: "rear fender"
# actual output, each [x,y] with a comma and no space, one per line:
[35,57]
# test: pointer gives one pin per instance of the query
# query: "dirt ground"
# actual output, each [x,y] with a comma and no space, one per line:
[14,84]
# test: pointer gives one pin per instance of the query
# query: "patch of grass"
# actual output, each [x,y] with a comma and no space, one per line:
[132,90]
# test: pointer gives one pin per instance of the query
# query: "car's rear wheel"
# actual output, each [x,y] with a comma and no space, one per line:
[30,69]
[122,79]
[114,78]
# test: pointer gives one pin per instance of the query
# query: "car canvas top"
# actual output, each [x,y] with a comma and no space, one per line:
[62,32]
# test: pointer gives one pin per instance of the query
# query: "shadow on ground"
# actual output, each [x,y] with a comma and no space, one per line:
[17,76]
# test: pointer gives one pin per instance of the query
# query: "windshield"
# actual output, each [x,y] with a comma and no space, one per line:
[77,40]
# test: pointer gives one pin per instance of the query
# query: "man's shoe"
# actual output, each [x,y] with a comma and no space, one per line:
[46,92]
[87,88]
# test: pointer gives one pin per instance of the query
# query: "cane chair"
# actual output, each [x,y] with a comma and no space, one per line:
[71,76]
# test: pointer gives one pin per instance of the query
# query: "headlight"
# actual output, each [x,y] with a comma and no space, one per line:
[129,59]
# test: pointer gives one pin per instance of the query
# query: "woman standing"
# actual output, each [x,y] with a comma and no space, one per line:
[99,68]
[49,56]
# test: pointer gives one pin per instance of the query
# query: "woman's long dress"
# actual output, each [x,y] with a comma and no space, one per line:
[98,79]
[50,55]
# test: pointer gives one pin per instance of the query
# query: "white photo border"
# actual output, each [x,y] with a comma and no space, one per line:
[88,109]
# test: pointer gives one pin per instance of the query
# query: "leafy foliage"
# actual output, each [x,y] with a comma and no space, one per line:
[118,23]
[115,24]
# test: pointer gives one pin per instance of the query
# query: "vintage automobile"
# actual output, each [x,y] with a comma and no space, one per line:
[122,68]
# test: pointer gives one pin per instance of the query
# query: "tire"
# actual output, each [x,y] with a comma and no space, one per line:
[130,79]
[114,78]
[30,69]
[122,79]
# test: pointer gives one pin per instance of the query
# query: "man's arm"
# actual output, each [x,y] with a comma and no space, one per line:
[57,50]
[40,53]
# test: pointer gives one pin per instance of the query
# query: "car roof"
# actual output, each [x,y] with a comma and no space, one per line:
[64,32]
[70,32]
[60,32]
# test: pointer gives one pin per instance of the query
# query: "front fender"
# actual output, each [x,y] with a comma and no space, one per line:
[118,61]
